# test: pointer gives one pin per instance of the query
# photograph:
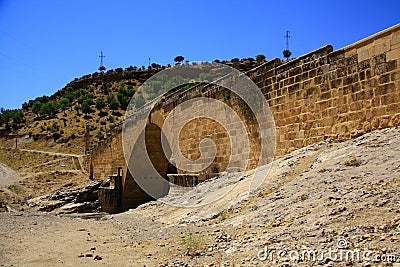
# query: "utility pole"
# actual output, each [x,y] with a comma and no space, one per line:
[287,40]
[149,62]
[101,68]
[286,52]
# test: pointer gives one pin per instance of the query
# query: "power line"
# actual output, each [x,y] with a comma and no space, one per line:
[287,40]
[101,58]
[102,68]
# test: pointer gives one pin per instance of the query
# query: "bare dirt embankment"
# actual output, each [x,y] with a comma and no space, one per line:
[7,175]
[337,197]
[28,174]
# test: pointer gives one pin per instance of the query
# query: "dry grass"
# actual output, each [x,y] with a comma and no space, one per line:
[40,174]
[194,242]
[21,160]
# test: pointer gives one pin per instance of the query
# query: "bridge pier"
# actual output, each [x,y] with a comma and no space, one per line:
[110,198]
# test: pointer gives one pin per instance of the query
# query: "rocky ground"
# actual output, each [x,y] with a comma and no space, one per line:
[327,204]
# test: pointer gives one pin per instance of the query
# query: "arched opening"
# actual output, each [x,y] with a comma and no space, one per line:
[159,158]
[146,178]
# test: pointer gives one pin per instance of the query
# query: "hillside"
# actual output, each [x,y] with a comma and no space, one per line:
[27,174]
[96,102]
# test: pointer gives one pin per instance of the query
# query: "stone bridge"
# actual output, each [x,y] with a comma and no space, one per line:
[335,94]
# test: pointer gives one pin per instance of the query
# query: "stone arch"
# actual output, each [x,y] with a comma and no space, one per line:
[152,153]
[159,158]
[142,178]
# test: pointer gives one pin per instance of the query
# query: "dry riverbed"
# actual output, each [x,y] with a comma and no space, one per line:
[326,197]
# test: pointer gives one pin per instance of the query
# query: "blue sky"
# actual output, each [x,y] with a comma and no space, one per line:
[44,44]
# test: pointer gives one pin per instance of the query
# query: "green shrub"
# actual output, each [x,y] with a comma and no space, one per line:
[100,104]
[139,101]
[113,105]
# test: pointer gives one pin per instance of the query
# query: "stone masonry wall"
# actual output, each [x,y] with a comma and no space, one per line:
[196,130]
[106,157]
[324,94]
[334,94]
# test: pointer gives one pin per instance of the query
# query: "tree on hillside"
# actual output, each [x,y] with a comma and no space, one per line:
[113,105]
[64,103]
[139,101]
[15,115]
[206,77]
[260,58]
[123,98]
[77,108]
[78,93]
[36,107]
[18,117]
[105,89]
[128,75]
[69,96]
[155,65]
[86,106]
[25,106]
[110,98]
[81,99]
[2,118]
[100,104]
[179,59]
[286,54]
[49,108]
[131,90]
[152,86]
[112,102]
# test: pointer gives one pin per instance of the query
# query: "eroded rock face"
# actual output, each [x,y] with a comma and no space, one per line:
[71,200]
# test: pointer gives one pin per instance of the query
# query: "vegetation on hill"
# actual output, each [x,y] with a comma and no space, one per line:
[97,101]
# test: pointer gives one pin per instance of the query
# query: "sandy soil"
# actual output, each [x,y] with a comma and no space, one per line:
[326,197]
[7,175]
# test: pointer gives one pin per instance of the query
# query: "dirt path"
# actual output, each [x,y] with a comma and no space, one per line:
[51,153]
[77,159]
